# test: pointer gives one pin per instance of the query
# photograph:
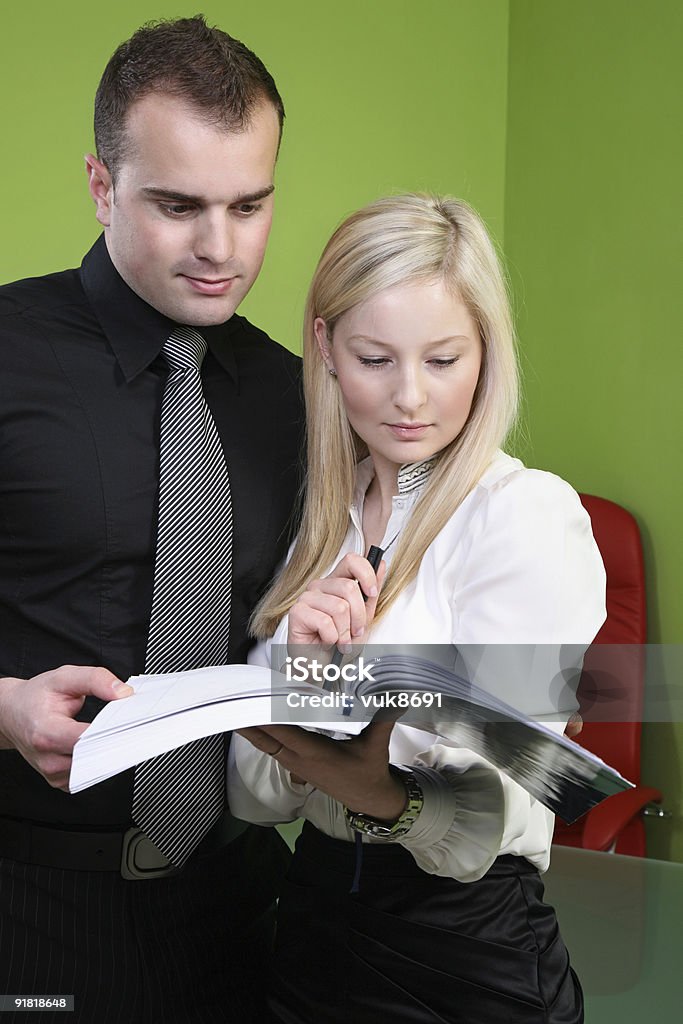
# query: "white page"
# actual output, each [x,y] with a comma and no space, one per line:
[167,711]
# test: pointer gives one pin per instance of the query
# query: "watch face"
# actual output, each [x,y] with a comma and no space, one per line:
[375,829]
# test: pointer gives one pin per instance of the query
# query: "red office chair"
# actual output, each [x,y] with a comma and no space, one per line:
[616,823]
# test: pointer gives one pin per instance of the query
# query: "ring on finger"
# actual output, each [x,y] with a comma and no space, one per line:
[274,753]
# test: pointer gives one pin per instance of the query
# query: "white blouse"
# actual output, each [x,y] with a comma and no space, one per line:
[516,564]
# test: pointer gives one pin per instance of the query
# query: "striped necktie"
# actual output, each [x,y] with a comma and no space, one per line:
[179,795]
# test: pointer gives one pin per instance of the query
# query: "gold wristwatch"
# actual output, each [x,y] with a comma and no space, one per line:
[391,830]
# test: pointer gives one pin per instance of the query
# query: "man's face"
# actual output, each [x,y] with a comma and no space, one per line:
[187,223]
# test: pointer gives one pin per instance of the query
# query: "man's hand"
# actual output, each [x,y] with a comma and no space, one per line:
[355,771]
[37,715]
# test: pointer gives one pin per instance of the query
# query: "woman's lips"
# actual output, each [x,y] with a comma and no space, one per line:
[409,431]
[207,286]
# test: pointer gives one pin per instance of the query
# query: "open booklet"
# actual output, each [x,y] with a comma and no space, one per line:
[168,710]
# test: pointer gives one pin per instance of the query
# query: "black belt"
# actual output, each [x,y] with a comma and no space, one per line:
[128,851]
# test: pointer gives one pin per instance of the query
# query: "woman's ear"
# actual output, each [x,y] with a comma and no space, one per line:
[322,337]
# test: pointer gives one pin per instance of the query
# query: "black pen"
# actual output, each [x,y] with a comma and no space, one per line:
[374,557]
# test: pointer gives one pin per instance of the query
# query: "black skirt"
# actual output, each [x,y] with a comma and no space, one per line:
[414,947]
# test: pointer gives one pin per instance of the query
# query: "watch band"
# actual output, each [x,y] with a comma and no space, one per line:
[391,830]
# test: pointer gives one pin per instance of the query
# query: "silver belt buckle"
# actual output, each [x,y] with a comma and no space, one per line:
[140,858]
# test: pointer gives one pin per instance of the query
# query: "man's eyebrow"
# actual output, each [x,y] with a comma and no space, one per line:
[171,196]
[253,197]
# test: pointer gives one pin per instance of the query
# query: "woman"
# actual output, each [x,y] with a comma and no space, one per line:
[411,388]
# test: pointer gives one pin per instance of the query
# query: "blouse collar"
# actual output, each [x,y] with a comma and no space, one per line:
[412,477]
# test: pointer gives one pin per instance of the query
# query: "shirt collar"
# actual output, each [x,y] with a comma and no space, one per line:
[412,476]
[135,330]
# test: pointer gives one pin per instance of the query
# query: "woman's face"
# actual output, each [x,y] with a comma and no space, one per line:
[407,362]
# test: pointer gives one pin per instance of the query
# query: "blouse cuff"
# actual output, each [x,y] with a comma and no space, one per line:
[437,812]
[459,830]
[260,790]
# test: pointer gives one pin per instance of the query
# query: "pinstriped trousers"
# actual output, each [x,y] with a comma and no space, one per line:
[179,950]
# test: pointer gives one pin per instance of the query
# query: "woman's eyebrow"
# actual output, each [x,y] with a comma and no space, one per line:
[368,339]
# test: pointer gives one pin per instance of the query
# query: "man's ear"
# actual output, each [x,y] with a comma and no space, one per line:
[100,188]
[322,337]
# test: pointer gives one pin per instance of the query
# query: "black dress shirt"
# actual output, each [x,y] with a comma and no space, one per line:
[80,405]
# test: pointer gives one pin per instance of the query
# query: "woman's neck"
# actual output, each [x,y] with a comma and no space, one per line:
[377,506]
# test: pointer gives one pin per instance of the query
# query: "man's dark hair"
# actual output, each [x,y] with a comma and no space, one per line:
[214,73]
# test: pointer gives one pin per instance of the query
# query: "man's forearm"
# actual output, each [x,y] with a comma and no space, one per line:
[7,686]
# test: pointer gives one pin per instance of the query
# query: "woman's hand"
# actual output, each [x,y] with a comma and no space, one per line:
[574,725]
[332,611]
[355,772]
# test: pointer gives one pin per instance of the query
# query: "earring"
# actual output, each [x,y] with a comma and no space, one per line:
[332,371]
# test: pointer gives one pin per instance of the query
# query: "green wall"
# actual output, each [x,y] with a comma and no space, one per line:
[592,232]
[554,118]
[377,100]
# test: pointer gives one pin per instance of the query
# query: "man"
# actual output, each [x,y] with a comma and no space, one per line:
[119,522]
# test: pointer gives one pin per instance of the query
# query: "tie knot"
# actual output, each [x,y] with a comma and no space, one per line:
[185,349]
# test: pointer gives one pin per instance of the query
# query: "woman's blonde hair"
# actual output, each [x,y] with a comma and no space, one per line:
[403,239]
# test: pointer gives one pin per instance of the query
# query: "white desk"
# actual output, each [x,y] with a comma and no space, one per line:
[622,921]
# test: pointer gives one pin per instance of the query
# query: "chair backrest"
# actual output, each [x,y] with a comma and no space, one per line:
[617,535]
[618,538]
